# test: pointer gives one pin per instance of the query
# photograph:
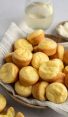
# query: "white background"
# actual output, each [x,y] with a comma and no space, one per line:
[12,10]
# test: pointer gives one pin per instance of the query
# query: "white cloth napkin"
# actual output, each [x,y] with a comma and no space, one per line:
[14,32]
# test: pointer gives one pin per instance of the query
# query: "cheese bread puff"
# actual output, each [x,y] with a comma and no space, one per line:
[8,57]
[2,102]
[19,114]
[23,43]
[47,46]
[59,52]
[35,37]
[39,90]
[38,59]
[56,92]
[66,70]
[10,112]
[61,79]
[66,80]
[21,57]
[28,76]
[59,63]
[65,58]
[49,71]
[22,90]
[8,73]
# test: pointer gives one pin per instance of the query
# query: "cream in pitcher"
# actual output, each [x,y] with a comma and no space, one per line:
[39,15]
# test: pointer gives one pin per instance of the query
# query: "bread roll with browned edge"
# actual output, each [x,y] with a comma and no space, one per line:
[22,90]
[56,92]
[59,63]
[22,43]
[28,76]
[38,59]
[65,58]
[8,57]
[66,70]
[9,73]
[66,80]
[22,57]
[50,71]
[59,52]
[35,37]
[39,90]
[47,46]
[61,79]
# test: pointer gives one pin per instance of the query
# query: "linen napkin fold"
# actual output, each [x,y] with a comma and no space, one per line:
[12,34]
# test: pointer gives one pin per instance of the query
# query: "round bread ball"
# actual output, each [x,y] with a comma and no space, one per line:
[47,46]
[49,71]
[39,90]
[59,52]
[28,76]
[56,92]
[38,59]
[22,90]
[22,57]
[9,73]
[22,43]
[59,63]
[35,37]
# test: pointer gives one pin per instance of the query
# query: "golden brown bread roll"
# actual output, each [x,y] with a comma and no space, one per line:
[66,80]
[59,63]
[23,43]
[3,102]
[47,46]
[39,90]
[22,90]
[28,76]
[56,92]
[10,112]
[66,70]
[65,58]
[9,73]
[35,37]
[59,52]
[50,71]
[61,79]
[8,57]
[38,59]
[21,57]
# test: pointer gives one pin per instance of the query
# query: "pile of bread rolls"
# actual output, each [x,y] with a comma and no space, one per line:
[37,67]
[8,112]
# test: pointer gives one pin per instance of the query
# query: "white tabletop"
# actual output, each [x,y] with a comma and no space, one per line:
[12,10]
